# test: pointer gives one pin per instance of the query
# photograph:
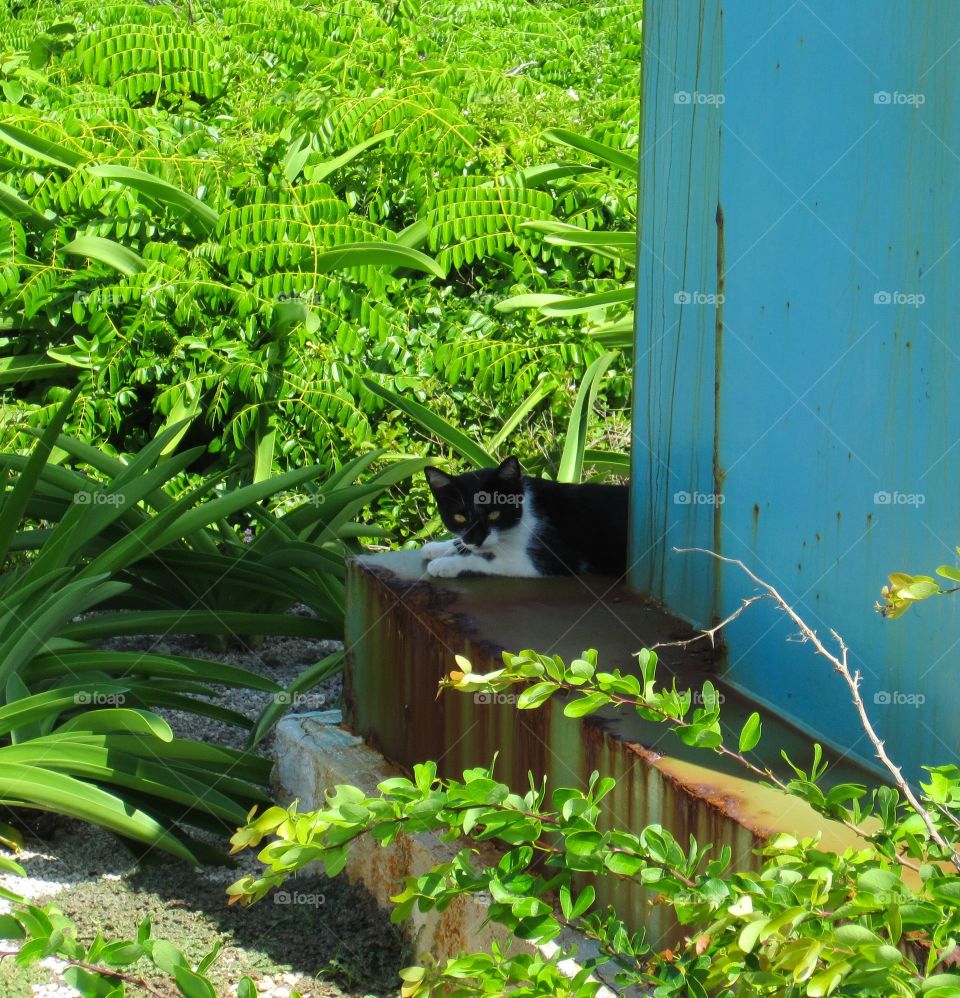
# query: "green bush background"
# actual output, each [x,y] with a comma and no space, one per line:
[307,155]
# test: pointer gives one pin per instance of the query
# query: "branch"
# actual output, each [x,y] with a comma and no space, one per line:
[853,684]
[711,632]
[106,971]
[764,773]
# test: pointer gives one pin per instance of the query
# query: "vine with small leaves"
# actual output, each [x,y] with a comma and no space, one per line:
[883,918]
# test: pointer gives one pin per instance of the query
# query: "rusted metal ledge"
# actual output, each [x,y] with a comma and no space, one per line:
[403,629]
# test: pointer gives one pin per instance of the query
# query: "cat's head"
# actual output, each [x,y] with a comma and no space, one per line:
[479,504]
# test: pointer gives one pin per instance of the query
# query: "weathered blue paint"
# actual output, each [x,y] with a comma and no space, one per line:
[803,395]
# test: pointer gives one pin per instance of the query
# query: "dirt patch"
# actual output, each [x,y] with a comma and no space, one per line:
[323,936]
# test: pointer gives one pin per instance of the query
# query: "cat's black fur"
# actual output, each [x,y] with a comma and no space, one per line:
[515,525]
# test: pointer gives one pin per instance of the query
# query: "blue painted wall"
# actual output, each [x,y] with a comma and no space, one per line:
[803,162]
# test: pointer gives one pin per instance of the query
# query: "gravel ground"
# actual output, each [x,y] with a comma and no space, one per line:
[335,943]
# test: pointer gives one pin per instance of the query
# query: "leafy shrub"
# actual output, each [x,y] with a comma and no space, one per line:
[904,590]
[573,457]
[77,733]
[879,919]
[196,229]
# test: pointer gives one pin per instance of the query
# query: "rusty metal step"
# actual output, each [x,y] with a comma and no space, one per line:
[403,629]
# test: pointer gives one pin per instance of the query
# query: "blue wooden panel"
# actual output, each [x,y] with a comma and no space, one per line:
[827,380]
[672,448]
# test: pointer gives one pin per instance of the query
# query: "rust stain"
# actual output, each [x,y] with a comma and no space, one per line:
[718,474]
[450,938]
[718,795]
[594,737]
[384,880]
[418,633]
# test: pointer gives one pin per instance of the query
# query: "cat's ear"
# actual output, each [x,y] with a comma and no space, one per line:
[437,479]
[510,472]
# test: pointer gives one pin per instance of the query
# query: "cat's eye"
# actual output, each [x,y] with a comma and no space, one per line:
[495,515]
[459,517]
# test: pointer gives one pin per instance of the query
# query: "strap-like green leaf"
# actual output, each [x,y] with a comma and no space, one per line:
[616,335]
[603,462]
[376,254]
[598,150]
[305,682]
[435,424]
[320,171]
[75,662]
[200,218]
[414,235]
[571,461]
[587,303]
[40,148]
[79,799]
[543,389]
[546,173]
[52,703]
[528,301]
[87,521]
[107,251]
[135,722]
[107,625]
[14,504]
[12,205]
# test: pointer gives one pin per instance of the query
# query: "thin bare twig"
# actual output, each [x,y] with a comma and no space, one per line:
[710,632]
[949,815]
[853,684]
[108,971]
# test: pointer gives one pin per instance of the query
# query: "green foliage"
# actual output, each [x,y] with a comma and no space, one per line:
[225,214]
[609,313]
[879,919]
[574,456]
[124,545]
[905,590]
[105,967]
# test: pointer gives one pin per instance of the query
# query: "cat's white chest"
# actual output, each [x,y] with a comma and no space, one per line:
[510,549]
[503,553]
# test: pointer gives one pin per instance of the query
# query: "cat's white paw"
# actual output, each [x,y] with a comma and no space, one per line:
[446,568]
[437,549]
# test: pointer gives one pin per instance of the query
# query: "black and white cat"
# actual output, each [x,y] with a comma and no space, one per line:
[508,524]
